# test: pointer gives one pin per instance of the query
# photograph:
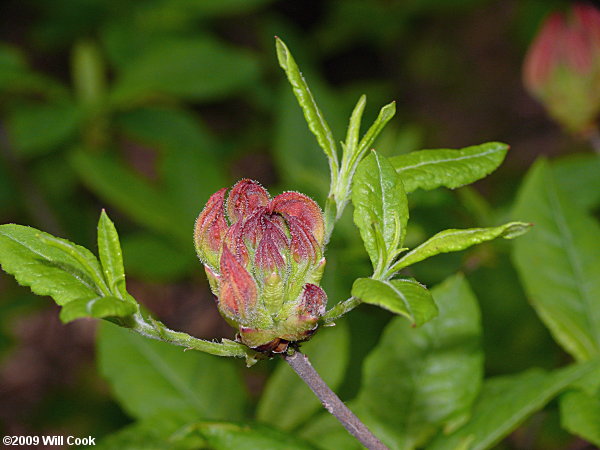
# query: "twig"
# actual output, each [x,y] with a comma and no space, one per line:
[302,366]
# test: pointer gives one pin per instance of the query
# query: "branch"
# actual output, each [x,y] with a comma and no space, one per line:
[332,403]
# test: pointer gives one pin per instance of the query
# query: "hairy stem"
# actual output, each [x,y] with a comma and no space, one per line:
[340,309]
[332,403]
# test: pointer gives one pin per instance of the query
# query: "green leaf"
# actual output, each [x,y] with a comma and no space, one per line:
[185,68]
[150,378]
[352,135]
[429,169]
[456,240]
[40,261]
[149,434]
[559,263]
[580,415]
[312,113]
[405,297]
[505,402]
[229,436]
[111,257]
[329,353]
[98,307]
[118,184]
[39,129]
[380,209]
[385,115]
[574,172]
[418,379]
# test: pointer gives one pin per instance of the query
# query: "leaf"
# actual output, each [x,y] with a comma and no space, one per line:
[580,415]
[329,353]
[47,269]
[418,379]
[151,378]
[98,307]
[505,402]
[380,209]
[229,436]
[39,129]
[405,297]
[116,183]
[577,176]
[559,263]
[148,434]
[429,169]
[185,68]
[312,113]
[385,115]
[111,257]
[456,240]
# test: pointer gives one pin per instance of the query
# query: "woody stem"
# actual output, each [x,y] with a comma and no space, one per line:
[332,403]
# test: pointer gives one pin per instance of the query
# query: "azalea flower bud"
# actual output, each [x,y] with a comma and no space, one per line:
[264,260]
[562,67]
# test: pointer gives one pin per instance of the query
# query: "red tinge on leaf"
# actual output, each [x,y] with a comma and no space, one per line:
[313,302]
[245,197]
[210,229]
[238,291]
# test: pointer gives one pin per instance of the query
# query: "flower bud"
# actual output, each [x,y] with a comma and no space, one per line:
[562,67]
[264,261]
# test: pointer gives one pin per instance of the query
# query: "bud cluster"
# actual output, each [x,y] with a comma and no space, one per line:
[562,67]
[264,260]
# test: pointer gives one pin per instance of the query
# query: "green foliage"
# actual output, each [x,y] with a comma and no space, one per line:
[580,414]
[189,386]
[559,263]
[380,210]
[429,169]
[507,401]
[404,297]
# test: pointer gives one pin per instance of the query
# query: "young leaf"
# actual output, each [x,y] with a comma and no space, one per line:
[329,353]
[312,113]
[351,144]
[47,269]
[580,415]
[150,377]
[457,240]
[419,379]
[560,264]
[111,257]
[429,169]
[505,402]
[380,209]
[385,115]
[98,307]
[405,297]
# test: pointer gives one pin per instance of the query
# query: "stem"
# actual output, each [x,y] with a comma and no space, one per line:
[340,309]
[332,403]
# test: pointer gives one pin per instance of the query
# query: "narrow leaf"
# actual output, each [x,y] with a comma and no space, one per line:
[405,297]
[351,145]
[385,115]
[111,257]
[420,379]
[46,269]
[312,113]
[580,415]
[380,209]
[456,240]
[560,263]
[329,352]
[505,402]
[429,169]
[150,377]
[98,307]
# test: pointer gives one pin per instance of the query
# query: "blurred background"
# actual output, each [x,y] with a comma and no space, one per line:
[146,108]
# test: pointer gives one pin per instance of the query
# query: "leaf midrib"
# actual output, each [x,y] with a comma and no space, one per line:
[441,161]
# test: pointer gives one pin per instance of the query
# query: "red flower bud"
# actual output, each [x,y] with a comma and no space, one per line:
[562,67]
[264,260]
